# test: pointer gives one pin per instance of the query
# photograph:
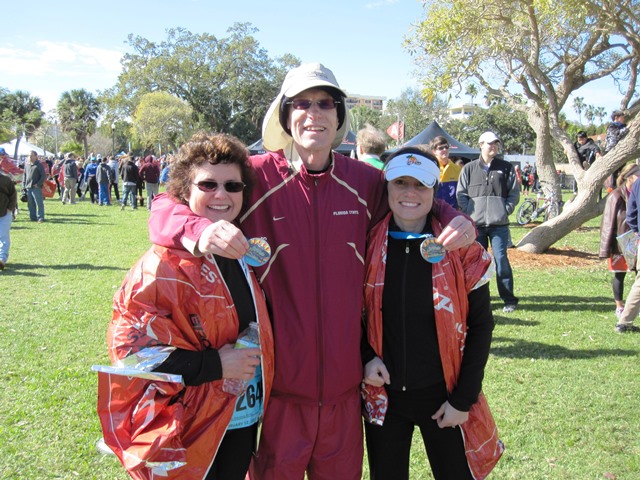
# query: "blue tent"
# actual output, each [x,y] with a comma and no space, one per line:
[457,149]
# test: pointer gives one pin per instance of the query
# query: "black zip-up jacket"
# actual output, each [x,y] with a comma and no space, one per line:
[587,152]
[410,343]
[129,173]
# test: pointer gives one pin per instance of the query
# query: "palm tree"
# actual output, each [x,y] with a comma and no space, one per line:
[601,113]
[472,91]
[78,111]
[590,113]
[23,112]
[578,106]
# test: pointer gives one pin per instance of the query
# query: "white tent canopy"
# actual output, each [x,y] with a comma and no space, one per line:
[24,149]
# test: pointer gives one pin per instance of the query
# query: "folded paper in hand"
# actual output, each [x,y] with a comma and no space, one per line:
[628,243]
[374,403]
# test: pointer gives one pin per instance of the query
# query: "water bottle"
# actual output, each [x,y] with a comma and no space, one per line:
[249,338]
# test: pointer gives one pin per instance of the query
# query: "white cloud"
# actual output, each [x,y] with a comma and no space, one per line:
[60,57]
[46,68]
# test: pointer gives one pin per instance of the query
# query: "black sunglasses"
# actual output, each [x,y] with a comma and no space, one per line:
[442,147]
[209,186]
[304,104]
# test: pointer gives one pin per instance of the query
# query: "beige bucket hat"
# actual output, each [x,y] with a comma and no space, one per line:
[299,79]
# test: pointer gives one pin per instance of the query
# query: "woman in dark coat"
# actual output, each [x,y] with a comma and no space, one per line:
[613,224]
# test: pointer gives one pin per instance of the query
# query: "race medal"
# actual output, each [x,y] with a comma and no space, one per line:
[431,250]
[259,252]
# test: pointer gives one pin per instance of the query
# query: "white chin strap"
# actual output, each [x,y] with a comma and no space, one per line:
[293,158]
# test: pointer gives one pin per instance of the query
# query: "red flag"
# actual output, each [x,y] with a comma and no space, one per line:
[396,130]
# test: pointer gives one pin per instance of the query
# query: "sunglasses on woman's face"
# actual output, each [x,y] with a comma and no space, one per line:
[304,104]
[442,147]
[209,186]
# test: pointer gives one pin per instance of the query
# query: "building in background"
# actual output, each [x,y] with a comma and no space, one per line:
[463,111]
[355,100]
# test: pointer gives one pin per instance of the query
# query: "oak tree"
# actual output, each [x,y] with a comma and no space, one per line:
[543,52]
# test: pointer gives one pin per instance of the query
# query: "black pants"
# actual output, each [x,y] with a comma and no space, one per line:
[618,285]
[389,445]
[93,189]
[234,455]
[114,186]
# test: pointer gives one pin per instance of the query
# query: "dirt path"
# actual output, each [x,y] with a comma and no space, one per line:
[554,258]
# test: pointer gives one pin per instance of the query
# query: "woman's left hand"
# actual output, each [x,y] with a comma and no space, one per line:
[447,416]
[376,373]
[458,234]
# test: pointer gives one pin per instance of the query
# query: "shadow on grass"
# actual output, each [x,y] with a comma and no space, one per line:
[515,321]
[26,270]
[62,219]
[517,348]
[561,303]
[70,214]
[71,217]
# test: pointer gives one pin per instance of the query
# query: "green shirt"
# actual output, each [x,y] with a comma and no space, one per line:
[374,161]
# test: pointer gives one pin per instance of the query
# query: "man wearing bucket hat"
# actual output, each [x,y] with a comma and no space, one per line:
[488,192]
[314,208]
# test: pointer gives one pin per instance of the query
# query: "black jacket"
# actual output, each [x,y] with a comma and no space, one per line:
[410,349]
[129,172]
[8,195]
[587,152]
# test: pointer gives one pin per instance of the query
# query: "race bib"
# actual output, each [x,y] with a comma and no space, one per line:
[248,405]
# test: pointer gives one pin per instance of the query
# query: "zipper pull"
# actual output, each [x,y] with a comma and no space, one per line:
[406,248]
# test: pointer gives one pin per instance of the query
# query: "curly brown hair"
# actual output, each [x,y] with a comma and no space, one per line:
[213,148]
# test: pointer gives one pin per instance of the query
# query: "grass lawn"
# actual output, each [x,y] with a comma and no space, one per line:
[562,384]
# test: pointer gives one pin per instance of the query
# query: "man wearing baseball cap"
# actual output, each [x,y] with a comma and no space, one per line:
[314,208]
[488,192]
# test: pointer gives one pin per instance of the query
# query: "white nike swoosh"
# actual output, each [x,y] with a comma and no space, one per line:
[275,219]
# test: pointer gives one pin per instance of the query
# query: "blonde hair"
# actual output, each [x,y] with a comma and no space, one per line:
[626,172]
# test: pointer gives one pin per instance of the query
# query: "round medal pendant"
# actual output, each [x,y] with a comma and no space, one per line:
[431,250]
[259,252]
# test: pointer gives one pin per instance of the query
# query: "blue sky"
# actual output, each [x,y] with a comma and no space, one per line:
[77,44]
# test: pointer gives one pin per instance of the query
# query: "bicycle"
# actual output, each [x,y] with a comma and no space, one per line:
[546,207]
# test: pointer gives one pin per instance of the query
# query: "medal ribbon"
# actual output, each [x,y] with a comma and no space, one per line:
[409,235]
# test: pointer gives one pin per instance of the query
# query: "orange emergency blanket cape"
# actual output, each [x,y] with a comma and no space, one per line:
[164,429]
[453,278]
[10,168]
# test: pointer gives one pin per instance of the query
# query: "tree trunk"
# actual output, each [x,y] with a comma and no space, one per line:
[585,205]
[582,209]
[545,166]
[15,153]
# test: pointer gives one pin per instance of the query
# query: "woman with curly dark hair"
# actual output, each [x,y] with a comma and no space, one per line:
[183,313]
